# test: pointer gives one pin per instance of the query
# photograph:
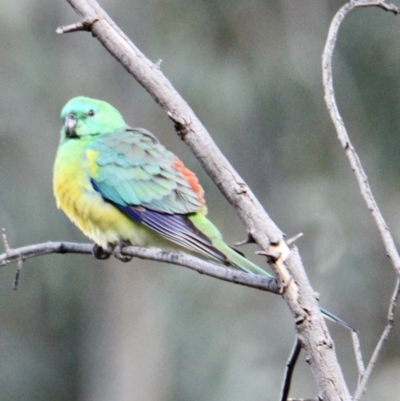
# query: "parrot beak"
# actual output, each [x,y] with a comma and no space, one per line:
[70,125]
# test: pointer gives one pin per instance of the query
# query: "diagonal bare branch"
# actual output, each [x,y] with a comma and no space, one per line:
[385,335]
[358,354]
[290,365]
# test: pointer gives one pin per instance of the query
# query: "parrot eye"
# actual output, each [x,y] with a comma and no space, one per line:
[90,113]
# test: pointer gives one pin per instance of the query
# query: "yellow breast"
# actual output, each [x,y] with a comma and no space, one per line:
[99,220]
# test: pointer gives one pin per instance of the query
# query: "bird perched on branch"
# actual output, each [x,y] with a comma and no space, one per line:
[120,186]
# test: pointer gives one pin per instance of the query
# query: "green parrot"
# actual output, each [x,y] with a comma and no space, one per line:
[120,186]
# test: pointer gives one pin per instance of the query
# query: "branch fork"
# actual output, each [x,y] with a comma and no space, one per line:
[84,25]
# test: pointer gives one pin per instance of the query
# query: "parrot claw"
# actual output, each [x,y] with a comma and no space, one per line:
[99,253]
[118,252]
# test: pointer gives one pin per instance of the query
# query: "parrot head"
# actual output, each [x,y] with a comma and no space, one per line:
[85,117]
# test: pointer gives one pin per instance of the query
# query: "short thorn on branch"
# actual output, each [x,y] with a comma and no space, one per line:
[157,64]
[292,240]
[84,25]
[248,240]
[5,241]
[271,256]
[181,127]
[9,250]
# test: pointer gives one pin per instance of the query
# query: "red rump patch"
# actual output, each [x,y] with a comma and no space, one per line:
[191,179]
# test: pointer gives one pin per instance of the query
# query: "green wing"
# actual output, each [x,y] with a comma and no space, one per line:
[133,168]
[141,178]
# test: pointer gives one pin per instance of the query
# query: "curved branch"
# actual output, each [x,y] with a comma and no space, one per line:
[343,137]
[362,180]
[191,262]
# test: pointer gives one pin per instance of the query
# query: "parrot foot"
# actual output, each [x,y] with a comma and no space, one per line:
[99,253]
[118,252]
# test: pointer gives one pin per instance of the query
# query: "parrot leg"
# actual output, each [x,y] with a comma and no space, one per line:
[99,253]
[118,252]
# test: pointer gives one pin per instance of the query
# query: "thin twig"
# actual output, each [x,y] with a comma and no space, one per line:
[5,241]
[84,25]
[293,239]
[290,365]
[358,354]
[17,274]
[191,262]
[385,335]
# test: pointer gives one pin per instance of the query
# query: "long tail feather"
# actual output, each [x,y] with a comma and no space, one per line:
[242,263]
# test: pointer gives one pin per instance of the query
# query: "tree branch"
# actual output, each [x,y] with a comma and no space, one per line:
[385,335]
[223,273]
[358,355]
[298,294]
[290,365]
[362,180]
[343,137]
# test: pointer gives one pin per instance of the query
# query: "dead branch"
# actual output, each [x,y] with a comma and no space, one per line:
[290,365]
[343,136]
[362,180]
[191,262]
[385,335]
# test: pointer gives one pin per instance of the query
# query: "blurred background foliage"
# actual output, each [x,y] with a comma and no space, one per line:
[81,329]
